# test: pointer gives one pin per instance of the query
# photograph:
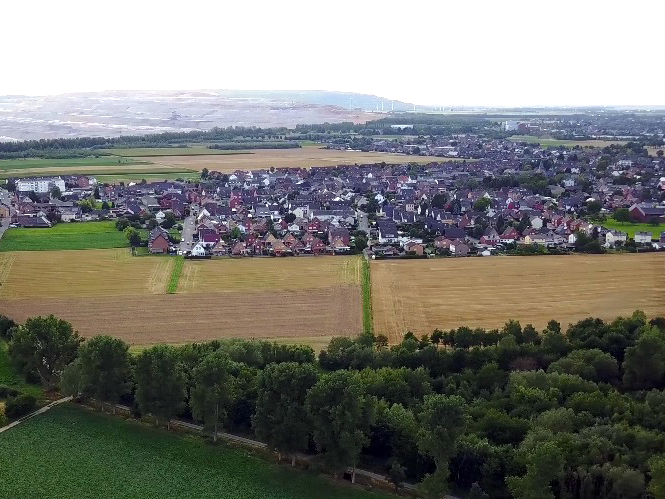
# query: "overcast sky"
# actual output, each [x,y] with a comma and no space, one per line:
[441,52]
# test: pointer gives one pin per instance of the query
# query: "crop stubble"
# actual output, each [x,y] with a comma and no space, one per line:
[421,295]
[110,292]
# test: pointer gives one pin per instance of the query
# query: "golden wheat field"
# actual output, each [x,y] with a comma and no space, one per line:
[306,299]
[305,157]
[421,295]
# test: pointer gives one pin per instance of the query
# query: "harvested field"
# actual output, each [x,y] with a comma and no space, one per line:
[101,275]
[546,142]
[110,292]
[305,157]
[421,295]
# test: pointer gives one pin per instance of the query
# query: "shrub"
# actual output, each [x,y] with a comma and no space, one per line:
[3,418]
[6,392]
[18,406]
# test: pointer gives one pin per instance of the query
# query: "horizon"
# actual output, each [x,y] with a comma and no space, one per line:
[438,55]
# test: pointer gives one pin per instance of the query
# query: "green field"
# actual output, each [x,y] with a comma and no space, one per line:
[65,236]
[631,228]
[148,177]
[545,142]
[17,164]
[72,452]
[147,152]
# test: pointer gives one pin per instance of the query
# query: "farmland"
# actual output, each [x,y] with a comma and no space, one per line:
[145,462]
[305,157]
[421,295]
[146,152]
[64,236]
[109,291]
[545,142]
[631,228]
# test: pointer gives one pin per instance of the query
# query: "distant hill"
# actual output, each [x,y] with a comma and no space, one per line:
[346,100]
[115,113]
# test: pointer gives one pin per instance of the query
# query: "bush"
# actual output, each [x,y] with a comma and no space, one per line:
[3,418]
[18,406]
[6,392]
[6,325]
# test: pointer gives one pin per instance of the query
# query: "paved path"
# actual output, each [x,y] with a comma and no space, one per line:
[36,413]
[187,238]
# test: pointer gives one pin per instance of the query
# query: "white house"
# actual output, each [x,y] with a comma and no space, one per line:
[643,237]
[199,250]
[572,238]
[40,185]
[615,236]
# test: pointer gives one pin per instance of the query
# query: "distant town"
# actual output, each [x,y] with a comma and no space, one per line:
[478,196]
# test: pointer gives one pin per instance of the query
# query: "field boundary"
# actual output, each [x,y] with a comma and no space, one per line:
[366,283]
[175,274]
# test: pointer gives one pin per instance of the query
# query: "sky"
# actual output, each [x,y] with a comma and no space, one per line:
[499,53]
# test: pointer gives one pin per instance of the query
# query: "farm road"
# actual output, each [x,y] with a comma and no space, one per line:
[36,413]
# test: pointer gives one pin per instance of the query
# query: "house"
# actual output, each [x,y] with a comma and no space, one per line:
[339,233]
[338,246]
[40,185]
[239,249]
[643,237]
[510,235]
[536,222]
[490,237]
[458,248]
[613,237]
[414,247]
[387,232]
[199,250]
[158,241]
[645,212]
[4,211]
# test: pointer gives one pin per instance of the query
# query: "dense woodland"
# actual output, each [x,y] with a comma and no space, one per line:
[516,412]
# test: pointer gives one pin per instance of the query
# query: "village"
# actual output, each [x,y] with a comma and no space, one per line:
[509,197]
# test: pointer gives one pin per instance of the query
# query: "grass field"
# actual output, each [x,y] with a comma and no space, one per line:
[148,177]
[111,292]
[18,164]
[63,236]
[421,295]
[72,452]
[631,228]
[567,143]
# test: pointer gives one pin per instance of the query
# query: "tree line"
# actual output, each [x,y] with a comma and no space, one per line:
[511,412]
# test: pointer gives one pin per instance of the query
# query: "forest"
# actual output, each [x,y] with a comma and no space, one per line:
[517,412]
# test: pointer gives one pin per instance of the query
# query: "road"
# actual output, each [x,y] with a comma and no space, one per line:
[363,222]
[6,198]
[187,237]
[36,413]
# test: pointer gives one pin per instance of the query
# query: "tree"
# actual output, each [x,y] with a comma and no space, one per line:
[281,417]
[439,201]
[151,224]
[7,326]
[44,345]
[235,233]
[659,153]
[341,416]
[96,192]
[657,471]
[482,204]
[71,381]
[442,422]
[623,215]
[543,463]
[105,369]
[204,173]
[169,220]
[644,364]
[55,192]
[106,206]
[289,218]
[213,389]
[360,243]
[133,236]
[160,382]
[121,224]
[594,207]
